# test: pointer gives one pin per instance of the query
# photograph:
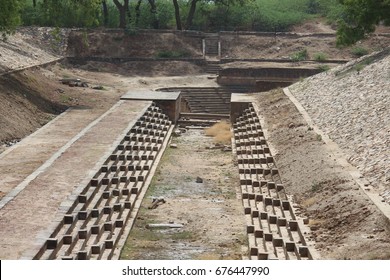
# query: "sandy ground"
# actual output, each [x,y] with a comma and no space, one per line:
[211,215]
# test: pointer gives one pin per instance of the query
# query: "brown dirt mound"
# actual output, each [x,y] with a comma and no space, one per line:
[144,68]
[116,43]
[23,108]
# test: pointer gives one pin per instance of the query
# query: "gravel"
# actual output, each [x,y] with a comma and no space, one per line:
[31,46]
[351,103]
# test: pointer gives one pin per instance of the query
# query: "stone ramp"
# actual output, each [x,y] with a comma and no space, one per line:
[272,227]
[98,214]
[21,160]
[36,206]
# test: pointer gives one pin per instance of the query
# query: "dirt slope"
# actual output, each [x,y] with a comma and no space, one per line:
[351,104]
[31,46]
[344,223]
[23,109]
[143,44]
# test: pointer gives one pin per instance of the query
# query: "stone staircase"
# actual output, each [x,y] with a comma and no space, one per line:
[211,44]
[213,67]
[99,218]
[207,100]
[272,227]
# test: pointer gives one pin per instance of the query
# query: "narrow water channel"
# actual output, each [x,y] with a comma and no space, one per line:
[199,186]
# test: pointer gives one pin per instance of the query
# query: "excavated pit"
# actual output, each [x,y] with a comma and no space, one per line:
[99,214]
[96,223]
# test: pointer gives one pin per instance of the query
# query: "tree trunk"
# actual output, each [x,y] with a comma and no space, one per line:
[191,14]
[153,10]
[177,15]
[123,12]
[127,7]
[105,13]
[137,12]
[34,3]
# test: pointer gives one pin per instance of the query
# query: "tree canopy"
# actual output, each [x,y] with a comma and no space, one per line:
[361,17]
[355,18]
[9,16]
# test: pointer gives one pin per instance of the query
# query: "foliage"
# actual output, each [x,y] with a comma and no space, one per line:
[63,13]
[213,15]
[172,54]
[9,16]
[331,9]
[320,56]
[359,51]
[313,7]
[56,35]
[356,17]
[361,18]
[323,67]
[300,55]
[276,16]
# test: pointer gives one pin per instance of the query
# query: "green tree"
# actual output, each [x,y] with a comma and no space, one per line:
[360,18]
[153,11]
[9,16]
[105,12]
[193,6]
[69,13]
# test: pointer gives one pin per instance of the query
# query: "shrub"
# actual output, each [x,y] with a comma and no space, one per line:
[320,56]
[299,56]
[323,67]
[359,51]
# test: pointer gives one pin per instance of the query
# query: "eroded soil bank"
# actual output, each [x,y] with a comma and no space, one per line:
[344,223]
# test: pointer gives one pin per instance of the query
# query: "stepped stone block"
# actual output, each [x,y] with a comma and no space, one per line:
[51,243]
[67,239]
[68,219]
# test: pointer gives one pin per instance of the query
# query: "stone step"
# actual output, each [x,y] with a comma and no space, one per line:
[204,116]
[97,216]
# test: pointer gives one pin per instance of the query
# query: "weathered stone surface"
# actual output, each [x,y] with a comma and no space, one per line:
[353,108]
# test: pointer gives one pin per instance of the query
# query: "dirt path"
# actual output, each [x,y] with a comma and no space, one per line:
[211,215]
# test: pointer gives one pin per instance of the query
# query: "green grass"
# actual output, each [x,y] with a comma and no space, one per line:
[320,56]
[359,51]
[323,67]
[300,55]
[65,98]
